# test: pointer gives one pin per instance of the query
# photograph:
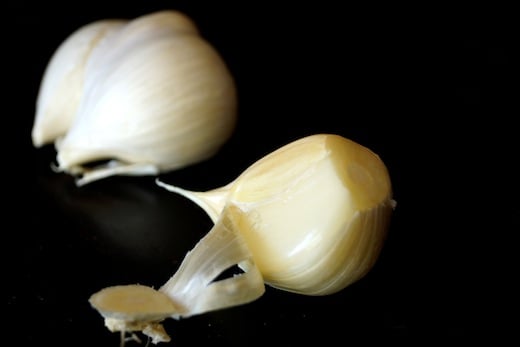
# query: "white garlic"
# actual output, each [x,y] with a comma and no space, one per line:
[155,97]
[310,218]
[62,82]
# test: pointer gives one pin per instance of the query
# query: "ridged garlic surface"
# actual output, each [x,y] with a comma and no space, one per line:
[310,218]
[62,83]
[155,97]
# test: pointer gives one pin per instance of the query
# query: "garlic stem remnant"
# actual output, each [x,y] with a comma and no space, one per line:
[151,95]
[309,218]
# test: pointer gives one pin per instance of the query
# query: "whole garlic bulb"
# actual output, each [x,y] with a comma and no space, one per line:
[155,97]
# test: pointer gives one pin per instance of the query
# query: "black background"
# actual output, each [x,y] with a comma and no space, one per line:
[431,89]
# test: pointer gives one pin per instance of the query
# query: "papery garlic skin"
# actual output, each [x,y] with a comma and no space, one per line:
[313,213]
[62,83]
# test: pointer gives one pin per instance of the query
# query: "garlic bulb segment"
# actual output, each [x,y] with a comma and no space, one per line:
[313,213]
[155,97]
[62,83]
[310,218]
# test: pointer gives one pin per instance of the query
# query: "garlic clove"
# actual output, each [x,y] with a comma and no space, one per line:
[314,213]
[153,96]
[62,82]
[309,218]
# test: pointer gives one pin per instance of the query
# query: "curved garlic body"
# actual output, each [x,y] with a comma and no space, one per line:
[62,83]
[310,218]
[155,97]
[314,213]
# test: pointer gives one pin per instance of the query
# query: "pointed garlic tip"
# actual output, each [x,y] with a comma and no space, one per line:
[61,87]
[212,201]
[177,21]
[155,93]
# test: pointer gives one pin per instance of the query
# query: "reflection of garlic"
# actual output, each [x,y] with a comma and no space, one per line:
[310,218]
[155,97]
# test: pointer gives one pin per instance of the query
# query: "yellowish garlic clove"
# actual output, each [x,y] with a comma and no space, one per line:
[155,97]
[314,213]
[62,83]
[310,218]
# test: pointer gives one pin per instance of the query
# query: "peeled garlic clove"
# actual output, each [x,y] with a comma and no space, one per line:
[310,218]
[313,213]
[62,83]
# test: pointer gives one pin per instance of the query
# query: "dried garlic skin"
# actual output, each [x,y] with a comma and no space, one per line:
[155,96]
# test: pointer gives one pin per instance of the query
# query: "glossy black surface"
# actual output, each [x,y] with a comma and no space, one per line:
[428,89]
